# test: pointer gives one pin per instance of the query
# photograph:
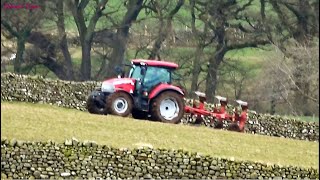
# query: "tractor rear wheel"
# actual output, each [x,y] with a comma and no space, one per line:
[168,107]
[136,114]
[94,107]
[119,103]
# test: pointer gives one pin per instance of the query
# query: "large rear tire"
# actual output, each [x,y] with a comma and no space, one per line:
[94,107]
[168,107]
[119,103]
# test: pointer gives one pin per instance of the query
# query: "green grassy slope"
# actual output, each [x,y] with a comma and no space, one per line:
[35,122]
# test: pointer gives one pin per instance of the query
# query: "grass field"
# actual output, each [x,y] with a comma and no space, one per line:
[35,122]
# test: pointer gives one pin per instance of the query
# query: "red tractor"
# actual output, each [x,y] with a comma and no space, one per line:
[147,90]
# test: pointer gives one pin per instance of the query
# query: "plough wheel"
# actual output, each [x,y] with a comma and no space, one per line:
[234,127]
[218,125]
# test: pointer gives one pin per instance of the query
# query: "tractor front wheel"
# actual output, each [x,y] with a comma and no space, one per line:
[119,103]
[94,107]
[168,107]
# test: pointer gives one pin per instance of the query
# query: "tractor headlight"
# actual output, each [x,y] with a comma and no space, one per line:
[107,87]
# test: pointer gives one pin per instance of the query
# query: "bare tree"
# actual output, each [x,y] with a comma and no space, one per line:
[63,40]
[19,22]
[117,36]
[165,22]
[203,38]
[86,32]
[279,83]
[298,20]
[221,16]
[235,76]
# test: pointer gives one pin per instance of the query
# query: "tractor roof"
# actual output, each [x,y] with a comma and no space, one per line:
[165,64]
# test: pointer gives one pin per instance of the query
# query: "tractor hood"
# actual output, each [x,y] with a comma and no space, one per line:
[118,84]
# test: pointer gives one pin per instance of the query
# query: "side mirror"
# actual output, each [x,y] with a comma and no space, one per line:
[143,70]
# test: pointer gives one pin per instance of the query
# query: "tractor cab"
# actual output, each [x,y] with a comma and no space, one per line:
[149,74]
[151,77]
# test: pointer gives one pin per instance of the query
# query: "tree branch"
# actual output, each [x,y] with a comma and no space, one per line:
[83,4]
[248,44]
[93,21]
[9,28]
[176,9]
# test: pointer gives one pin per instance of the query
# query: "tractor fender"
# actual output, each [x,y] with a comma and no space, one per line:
[124,91]
[164,87]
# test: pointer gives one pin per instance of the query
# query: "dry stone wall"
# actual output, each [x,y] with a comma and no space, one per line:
[73,95]
[74,159]
[39,90]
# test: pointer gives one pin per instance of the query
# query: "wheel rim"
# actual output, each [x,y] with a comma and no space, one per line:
[169,109]
[120,105]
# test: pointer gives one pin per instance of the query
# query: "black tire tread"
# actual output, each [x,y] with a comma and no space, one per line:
[92,107]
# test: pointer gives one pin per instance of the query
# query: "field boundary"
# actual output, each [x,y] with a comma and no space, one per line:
[87,159]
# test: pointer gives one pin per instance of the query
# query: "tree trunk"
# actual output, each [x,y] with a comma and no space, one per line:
[86,31]
[64,42]
[53,66]
[86,60]
[160,39]
[211,80]
[273,102]
[19,55]
[122,35]
[212,75]
[214,62]
[196,69]
[41,41]
[117,55]
[67,57]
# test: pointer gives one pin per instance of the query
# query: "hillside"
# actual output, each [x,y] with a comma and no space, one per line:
[39,122]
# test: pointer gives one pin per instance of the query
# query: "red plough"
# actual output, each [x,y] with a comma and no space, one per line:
[218,115]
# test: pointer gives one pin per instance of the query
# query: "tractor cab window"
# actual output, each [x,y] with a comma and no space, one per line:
[156,75]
